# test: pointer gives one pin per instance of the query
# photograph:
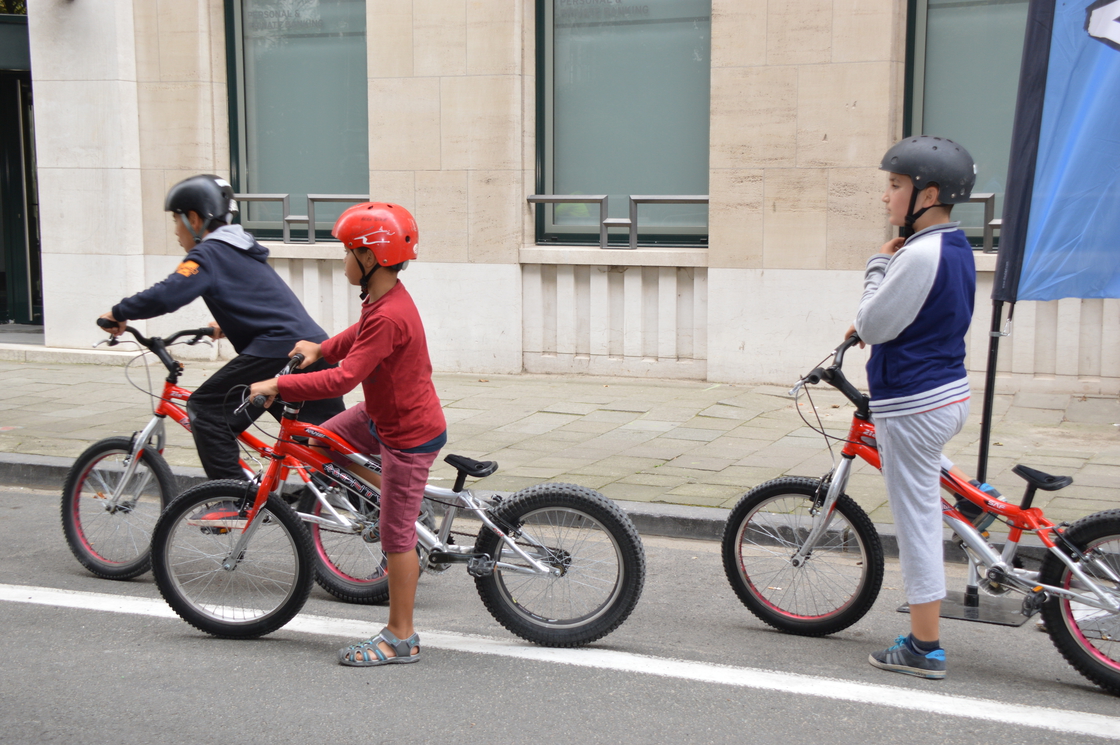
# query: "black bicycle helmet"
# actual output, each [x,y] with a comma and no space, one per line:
[211,197]
[932,160]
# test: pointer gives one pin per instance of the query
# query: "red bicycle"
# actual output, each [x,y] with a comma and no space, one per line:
[556,564]
[806,559]
[118,487]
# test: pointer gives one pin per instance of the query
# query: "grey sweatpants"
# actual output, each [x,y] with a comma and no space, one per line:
[910,447]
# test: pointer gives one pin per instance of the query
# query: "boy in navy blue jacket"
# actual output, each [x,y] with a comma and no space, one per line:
[252,307]
[918,295]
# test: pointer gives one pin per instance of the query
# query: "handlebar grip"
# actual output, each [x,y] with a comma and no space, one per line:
[259,400]
[105,323]
[293,364]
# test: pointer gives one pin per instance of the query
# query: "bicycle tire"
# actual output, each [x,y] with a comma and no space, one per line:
[1087,637]
[764,531]
[350,566]
[586,535]
[114,544]
[267,588]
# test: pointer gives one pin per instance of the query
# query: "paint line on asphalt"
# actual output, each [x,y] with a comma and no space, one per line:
[1060,720]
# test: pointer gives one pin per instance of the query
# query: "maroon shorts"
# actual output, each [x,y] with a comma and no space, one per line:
[403,476]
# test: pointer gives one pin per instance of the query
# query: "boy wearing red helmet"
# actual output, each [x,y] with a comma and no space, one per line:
[401,418]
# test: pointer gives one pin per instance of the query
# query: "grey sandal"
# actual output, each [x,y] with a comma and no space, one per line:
[368,654]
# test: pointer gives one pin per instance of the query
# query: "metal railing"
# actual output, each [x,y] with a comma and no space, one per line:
[288,218]
[605,223]
[991,222]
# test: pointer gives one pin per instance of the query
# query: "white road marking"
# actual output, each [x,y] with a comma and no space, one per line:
[1060,720]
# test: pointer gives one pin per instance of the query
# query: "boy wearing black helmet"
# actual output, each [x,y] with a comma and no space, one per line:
[252,307]
[915,311]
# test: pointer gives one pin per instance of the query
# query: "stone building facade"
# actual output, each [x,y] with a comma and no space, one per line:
[133,95]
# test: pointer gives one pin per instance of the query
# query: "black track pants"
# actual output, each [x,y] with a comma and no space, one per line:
[214,425]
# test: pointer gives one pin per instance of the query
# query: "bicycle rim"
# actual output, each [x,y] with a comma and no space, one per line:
[1096,631]
[591,560]
[356,558]
[265,579]
[829,582]
[120,534]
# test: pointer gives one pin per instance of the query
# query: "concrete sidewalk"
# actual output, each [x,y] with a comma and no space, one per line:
[676,453]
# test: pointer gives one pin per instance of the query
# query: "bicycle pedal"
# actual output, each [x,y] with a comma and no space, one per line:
[480,566]
[1034,601]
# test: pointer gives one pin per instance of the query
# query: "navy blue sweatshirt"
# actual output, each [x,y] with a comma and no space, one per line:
[916,308]
[257,311]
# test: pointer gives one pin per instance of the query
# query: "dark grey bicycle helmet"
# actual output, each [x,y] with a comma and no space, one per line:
[932,160]
[211,197]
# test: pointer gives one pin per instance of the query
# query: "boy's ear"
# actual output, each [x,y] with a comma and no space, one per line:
[930,195]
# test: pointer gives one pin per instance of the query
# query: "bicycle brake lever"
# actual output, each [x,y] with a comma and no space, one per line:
[112,341]
[796,389]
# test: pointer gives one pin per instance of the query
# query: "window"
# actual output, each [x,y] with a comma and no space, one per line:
[623,101]
[298,115]
[964,82]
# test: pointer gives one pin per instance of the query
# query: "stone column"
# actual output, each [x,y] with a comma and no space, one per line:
[83,66]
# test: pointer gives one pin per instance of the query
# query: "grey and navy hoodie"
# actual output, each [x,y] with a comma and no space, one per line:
[915,311]
[256,310]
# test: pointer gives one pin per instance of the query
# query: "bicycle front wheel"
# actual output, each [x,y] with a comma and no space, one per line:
[349,563]
[111,537]
[839,579]
[1088,637]
[596,557]
[243,596]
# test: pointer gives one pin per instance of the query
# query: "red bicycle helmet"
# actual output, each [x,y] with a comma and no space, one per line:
[386,229]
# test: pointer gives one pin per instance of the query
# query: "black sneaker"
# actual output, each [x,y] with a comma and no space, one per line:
[902,659]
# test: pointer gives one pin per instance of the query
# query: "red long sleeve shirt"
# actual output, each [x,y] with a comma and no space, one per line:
[386,351]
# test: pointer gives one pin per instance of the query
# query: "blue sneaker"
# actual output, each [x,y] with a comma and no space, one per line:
[901,658]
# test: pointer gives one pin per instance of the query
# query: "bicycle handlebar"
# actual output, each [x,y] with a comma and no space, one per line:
[293,363]
[834,376]
[157,345]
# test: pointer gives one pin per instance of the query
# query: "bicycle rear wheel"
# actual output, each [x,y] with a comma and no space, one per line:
[839,580]
[350,564]
[591,543]
[235,597]
[1089,638]
[112,540]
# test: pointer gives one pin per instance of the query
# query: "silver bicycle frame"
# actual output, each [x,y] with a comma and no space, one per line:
[978,551]
[429,541]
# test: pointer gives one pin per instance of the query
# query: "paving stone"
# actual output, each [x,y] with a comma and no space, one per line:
[1083,409]
[664,480]
[1053,401]
[699,435]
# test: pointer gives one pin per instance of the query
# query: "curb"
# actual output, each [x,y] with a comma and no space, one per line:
[650,518]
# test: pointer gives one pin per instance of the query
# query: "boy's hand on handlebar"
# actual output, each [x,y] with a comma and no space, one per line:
[852,330]
[217,331]
[309,350]
[266,388]
[116,329]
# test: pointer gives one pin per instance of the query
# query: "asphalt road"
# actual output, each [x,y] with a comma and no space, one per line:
[80,675]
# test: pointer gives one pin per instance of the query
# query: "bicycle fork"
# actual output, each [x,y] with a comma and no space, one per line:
[822,513]
[150,438]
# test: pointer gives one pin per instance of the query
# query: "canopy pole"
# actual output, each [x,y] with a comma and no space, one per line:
[989,391]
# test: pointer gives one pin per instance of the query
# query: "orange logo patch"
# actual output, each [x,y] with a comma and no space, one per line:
[187,269]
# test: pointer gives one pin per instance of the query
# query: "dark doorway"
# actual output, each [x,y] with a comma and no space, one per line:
[21,294]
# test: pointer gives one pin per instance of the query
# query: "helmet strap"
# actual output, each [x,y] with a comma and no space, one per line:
[186,221]
[365,278]
[911,216]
